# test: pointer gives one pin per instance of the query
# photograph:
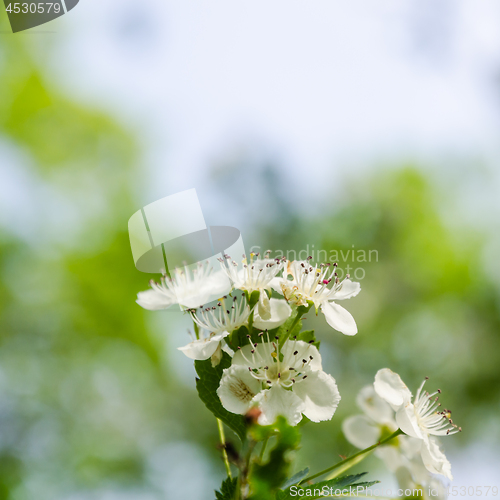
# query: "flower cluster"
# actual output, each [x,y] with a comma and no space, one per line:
[259,363]
[388,405]
[278,376]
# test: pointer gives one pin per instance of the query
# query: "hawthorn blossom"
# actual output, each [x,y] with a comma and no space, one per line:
[429,487]
[219,321]
[378,422]
[188,288]
[280,312]
[310,284]
[419,419]
[287,381]
[207,346]
[252,275]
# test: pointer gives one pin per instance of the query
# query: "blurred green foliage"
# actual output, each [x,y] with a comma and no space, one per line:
[89,400]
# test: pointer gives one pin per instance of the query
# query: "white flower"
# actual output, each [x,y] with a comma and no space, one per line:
[219,321]
[310,284]
[287,381]
[204,347]
[188,288]
[254,275]
[378,419]
[227,316]
[419,419]
[280,312]
[430,487]
[401,455]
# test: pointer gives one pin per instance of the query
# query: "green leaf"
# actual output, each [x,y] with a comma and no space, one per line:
[253,298]
[227,489]
[207,385]
[308,336]
[238,338]
[311,491]
[288,328]
[295,478]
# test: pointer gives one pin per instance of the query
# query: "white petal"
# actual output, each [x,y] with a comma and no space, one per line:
[404,478]
[264,307]
[153,300]
[410,446]
[339,318]
[275,284]
[391,457]
[200,349]
[435,460]
[391,388]
[375,407]
[194,295]
[220,336]
[408,422]
[320,395]
[280,312]
[216,357]
[305,351]
[349,289]
[278,401]
[237,389]
[219,284]
[418,470]
[360,431]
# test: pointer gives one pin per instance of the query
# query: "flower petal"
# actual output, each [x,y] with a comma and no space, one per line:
[216,357]
[346,291]
[280,312]
[360,431]
[407,421]
[391,457]
[375,407]
[275,284]
[391,388]
[237,389]
[435,460]
[320,395]
[200,349]
[153,300]
[339,318]
[216,285]
[410,446]
[264,306]
[278,401]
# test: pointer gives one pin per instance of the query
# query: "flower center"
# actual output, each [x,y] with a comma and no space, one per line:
[241,391]
[430,420]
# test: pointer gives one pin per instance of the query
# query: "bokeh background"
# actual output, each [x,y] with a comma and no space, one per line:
[344,125]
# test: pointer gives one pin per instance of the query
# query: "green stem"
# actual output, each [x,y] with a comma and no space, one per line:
[284,337]
[196,330]
[354,457]
[224,451]
[242,484]
[263,449]
[250,322]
